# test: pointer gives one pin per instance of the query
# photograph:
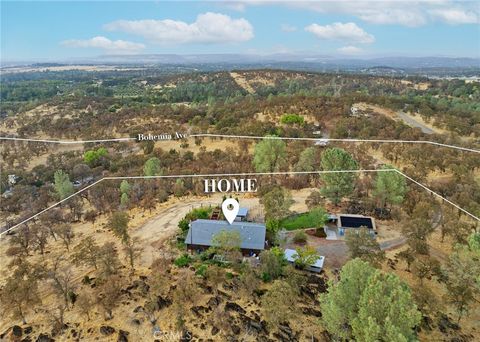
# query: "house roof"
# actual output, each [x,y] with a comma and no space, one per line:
[291,253]
[252,234]
[355,221]
[242,212]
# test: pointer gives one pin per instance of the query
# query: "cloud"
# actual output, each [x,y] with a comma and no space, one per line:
[207,28]
[117,46]
[288,28]
[344,32]
[350,50]
[232,5]
[402,16]
[410,13]
[456,16]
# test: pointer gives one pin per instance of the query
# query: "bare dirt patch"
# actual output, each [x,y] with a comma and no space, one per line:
[242,82]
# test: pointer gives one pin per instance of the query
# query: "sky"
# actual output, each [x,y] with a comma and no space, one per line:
[66,29]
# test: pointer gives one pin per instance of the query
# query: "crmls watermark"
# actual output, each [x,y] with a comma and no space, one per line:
[172,335]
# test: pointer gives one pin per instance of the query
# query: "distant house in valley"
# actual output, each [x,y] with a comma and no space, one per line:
[359,112]
[201,232]
[354,111]
[290,256]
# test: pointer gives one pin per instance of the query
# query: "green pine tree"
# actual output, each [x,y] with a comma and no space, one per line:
[338,185]
[270,155]
[369,305]
[63,186]
[152,167]
[390,187]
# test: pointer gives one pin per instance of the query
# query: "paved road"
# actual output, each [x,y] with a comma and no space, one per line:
[414,123]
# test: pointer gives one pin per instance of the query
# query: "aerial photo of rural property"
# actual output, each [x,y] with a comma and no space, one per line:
[240,171]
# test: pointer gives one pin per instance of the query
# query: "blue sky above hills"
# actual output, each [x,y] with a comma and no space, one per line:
[57,30]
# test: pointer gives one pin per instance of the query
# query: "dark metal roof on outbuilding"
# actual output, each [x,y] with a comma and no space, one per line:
[355,221]
[242,212]
[252,234]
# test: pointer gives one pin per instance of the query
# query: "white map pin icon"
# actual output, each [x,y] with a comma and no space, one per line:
[230,214]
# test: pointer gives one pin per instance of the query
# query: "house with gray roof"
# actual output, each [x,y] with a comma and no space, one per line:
[201,232]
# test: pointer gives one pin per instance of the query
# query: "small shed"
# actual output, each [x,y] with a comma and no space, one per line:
[290,256]
[242,215]
[350,221]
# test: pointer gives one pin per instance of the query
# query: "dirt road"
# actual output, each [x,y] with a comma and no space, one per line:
[164,226]
[414,123]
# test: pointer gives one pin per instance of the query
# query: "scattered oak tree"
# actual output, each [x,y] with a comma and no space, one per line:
[108,261]
[132,250]
[20,292]
[108,295]
[279,303]
[119,224]
[463,275]
[65,233]
[271,263]
[228,244]
[361,244]
[86,252]
[276,203]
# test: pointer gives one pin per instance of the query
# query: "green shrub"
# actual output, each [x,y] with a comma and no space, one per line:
[181,245]
[86,280]
[194,214]
[201,270]
[199,213]
[266,277]
[320,232]
[183,225]
[291,119]
[92,157]
[206,255]
[72,296]
[300,237]
[183,261]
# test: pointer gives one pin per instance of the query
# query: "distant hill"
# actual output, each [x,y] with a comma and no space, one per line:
[394,62]
[425,66]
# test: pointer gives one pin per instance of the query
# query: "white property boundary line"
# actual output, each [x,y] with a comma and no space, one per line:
[338,140]
[241,174]
[226,136]
[66,142]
